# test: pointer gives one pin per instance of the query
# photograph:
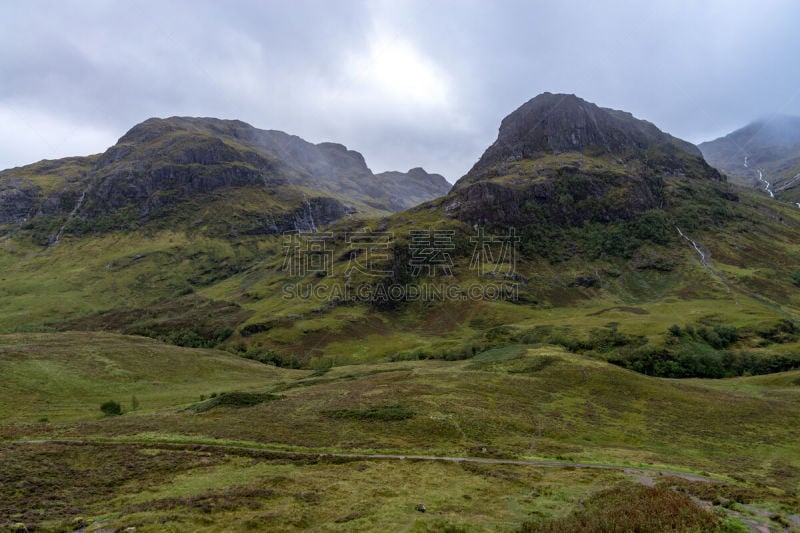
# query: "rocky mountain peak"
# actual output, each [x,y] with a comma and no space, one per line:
[414,187]
[559,123]
[560,159]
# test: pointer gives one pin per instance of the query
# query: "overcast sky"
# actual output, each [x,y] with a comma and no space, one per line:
[406,83]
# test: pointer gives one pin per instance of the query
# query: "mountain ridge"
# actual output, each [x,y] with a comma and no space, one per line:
[160,164]
[764,154]
[594,228]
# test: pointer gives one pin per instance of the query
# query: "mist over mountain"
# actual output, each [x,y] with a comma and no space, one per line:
[764,154]
[460,267]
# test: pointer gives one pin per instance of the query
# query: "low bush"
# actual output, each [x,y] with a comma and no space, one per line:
[233,399]
[697,360]
[384,413]
[111,408]
[632,507]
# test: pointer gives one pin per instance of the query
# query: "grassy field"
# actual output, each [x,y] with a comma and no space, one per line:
[521,401]
[177,490]
[66,377]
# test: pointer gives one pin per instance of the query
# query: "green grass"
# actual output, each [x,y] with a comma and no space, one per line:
[67,376]
[158,489]
[540,402]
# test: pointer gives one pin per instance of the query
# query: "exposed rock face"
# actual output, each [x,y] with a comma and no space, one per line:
[559,159]
[162,163]
[552,124]
[594,198]
[408,189]
[18,200]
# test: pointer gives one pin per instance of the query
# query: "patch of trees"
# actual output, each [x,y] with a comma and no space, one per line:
[701,352]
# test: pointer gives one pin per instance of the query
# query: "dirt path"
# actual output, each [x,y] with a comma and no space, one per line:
[645,476]
[635,471]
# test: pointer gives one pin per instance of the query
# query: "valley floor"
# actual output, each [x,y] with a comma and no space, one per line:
[524,437]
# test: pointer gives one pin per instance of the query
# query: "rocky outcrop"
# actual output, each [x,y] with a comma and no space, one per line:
[561,160]
[552,124]
[19,199]
[161,164]
[409,189]
[571,201]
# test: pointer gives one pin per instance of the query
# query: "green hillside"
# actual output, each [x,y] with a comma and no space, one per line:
[592,323]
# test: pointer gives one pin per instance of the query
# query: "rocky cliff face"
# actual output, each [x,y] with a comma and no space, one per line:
[408,189]
[161,164]
[559,159]
[18,200]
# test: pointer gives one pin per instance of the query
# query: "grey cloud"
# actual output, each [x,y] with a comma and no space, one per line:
[79,74]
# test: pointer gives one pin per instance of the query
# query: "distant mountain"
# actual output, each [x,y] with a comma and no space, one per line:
[560,159]
[764,154]
[414,187]
[162,170]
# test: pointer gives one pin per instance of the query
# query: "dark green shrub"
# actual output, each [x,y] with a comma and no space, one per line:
[233,399]
[384,413]
[111,408]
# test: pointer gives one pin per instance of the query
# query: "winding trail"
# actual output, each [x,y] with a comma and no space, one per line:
[231,448]
[757,521]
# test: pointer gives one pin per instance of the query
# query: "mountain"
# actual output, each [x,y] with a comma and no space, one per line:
[527,315]
[163,171]
[764,154]
[605,213]
[560,159]
[552,124]
[413,187]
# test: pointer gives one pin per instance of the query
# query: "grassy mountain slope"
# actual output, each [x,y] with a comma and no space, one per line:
[66,377]
[598,228]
